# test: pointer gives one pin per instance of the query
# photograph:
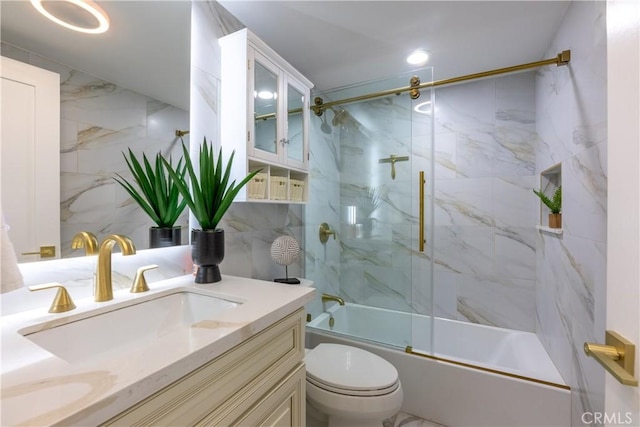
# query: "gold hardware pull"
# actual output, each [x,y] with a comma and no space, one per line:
[61,302]
[44,252]
[325,232]
[139,282]
[421,240]
[617,357]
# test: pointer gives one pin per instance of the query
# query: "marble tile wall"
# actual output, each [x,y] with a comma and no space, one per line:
[485,211]
[571,120]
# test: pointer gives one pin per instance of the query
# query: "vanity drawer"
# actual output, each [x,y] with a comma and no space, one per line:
[231,381]
[281,405]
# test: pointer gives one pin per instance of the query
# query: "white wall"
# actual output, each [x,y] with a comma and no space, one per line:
[623,265]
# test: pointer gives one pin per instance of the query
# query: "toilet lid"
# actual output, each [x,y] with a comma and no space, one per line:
[348,368]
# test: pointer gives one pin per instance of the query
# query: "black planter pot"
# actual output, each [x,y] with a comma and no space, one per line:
[207,251]
[160,237]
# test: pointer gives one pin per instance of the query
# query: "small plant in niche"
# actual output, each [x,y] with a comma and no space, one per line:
[555,206]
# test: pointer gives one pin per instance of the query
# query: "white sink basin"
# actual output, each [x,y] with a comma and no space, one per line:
[127,327]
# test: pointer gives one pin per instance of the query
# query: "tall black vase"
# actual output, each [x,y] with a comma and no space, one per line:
[163,237]
[207,251]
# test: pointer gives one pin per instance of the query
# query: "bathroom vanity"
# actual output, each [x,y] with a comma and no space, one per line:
[230,353]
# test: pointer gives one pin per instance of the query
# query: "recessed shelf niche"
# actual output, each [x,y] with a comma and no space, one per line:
[550,181]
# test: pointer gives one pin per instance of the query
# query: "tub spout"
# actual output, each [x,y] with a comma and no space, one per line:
[327,297]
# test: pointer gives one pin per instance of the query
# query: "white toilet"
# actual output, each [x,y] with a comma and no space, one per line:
[350,386]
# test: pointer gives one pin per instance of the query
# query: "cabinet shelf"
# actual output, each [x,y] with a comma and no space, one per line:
[550,230]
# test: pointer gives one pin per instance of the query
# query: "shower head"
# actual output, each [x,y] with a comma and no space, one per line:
[324,127]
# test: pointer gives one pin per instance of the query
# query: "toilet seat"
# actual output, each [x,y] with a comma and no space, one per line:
[350,371]
[355,393]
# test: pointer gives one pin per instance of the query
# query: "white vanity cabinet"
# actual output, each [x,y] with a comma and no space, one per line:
[260,382]
[265,119]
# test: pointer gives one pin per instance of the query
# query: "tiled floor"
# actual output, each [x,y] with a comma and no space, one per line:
[399,420]
[407,420]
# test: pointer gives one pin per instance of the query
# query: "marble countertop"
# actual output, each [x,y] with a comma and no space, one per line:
[39,388]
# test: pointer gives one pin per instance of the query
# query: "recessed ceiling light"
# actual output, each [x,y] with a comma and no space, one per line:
[418,57]
[72,14]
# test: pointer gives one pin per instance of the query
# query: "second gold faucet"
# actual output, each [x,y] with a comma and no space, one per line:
[103,284]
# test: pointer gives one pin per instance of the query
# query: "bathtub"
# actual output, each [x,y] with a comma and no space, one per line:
[476,375]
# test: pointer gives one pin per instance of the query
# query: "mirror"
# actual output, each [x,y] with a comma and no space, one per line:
[126,88]
[295,129]
[265,101]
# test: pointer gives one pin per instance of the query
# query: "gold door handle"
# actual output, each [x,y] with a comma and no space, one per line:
[44,252]
[61,302]
[617,356]
[421,240]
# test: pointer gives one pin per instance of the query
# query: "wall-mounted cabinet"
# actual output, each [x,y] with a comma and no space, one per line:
[265,119]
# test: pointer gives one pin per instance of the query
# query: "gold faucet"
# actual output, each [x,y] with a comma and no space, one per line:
[327,297]
[103,286]
[86,240]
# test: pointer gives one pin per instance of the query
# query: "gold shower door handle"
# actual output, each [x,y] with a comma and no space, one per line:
[421,216]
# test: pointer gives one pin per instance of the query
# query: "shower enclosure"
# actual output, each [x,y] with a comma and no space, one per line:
[372,161]
[453,172]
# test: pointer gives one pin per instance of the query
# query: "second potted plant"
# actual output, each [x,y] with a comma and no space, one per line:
[209,195]
[555,206]
[157,195]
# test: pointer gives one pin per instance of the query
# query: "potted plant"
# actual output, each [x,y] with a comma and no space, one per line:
[208,194]
[157,194]
[555,206]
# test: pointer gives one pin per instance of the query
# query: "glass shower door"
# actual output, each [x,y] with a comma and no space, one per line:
[381,144]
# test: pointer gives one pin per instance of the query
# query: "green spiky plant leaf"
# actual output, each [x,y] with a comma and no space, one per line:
[156,193]
[209,193]
[554,204]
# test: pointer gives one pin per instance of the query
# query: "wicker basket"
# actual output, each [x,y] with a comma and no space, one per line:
[257,187]
[278,188]
[297,190]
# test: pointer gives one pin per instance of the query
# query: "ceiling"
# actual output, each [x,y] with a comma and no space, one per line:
[333,43]
[336,43]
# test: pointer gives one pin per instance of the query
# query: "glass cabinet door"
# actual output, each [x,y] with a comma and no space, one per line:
[265,103]
[295,125]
